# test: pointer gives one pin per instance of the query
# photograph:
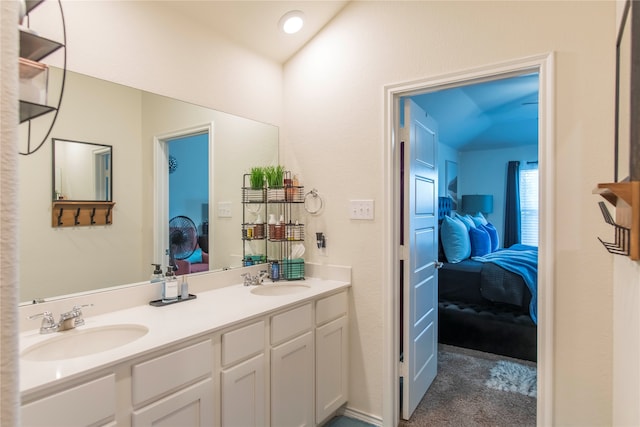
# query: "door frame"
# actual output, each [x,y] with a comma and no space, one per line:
[544,65]
[161,185]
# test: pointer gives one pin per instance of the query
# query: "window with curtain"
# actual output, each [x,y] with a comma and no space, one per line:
[529,204]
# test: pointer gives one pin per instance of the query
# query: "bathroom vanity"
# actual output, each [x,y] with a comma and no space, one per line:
[234,356]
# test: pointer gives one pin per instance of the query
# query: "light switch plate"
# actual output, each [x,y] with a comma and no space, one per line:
[224,209]
[361,209]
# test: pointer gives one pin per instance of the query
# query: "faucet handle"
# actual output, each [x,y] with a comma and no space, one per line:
[247,279]
[48,322]
[260,278]
[77,314]
[78,308]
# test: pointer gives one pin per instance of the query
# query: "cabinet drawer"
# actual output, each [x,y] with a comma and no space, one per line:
[171,371]
[288,325]
[242,343]
[76,406]
[191,406]
[330,308]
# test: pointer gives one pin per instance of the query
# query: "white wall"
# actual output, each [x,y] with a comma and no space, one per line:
[485,172]
[144,44]
[333,133]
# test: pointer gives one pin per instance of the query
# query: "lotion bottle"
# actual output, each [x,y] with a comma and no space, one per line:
[170,289]
[184,288]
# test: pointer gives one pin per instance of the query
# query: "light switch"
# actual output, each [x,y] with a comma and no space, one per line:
[224,209]
[361,209]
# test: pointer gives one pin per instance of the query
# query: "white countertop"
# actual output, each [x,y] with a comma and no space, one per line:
[211,311]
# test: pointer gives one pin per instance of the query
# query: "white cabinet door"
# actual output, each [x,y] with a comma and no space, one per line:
[76,406]
[192,406]
[292,382]
[331,367]
[243,394]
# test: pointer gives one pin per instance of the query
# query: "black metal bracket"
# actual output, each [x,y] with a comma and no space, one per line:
[621,244]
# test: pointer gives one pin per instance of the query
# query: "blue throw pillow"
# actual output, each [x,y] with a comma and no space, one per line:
[466,220]
[480,241]
[479,219]
[493,235]
[455,240]
[195,257]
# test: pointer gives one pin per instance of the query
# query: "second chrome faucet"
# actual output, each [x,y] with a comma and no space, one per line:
[250,280]
[68,320]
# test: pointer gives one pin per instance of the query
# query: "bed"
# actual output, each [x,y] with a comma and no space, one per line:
[488,302]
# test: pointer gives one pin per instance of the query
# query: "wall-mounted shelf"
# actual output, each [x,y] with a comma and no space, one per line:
[81,214]
[625,196]
[34,47]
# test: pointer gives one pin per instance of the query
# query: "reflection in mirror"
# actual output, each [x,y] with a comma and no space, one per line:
[623,99]
[57,261]
[81,171]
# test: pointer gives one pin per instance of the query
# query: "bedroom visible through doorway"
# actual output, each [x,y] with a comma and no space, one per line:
[533,68]
[182,176]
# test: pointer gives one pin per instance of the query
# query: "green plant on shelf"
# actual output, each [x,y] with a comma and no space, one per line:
[275,176]
[256,177]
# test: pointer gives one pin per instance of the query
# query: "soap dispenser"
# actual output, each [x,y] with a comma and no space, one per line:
[170,289]
[156,276]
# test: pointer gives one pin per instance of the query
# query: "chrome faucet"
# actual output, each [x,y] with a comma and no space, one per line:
[250,280]
[68,320]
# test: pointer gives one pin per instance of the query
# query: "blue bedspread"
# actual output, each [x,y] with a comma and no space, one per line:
[522,260]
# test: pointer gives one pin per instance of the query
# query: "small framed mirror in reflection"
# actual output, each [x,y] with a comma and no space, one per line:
[82,171]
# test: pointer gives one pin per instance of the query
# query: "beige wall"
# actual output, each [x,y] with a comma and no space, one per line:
[626,329]
[334,134]
[57,261]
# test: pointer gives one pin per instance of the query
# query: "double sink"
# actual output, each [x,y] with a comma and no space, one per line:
[86,341]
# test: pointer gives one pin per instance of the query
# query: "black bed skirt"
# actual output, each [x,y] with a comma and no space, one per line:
[498,330]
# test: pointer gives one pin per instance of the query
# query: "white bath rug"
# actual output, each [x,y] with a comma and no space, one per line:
[514,377]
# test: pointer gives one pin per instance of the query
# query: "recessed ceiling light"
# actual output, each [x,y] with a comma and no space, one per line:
[291,22]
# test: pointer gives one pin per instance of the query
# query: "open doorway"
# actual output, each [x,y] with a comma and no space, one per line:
[189,203]
[541,65]
[189,150]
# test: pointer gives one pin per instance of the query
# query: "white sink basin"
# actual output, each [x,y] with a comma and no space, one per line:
[275,290]
[82,342]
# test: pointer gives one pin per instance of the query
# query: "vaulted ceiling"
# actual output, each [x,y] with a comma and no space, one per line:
[494,114]
[254,24]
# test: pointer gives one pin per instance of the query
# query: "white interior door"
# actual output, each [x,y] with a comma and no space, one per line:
[419,254]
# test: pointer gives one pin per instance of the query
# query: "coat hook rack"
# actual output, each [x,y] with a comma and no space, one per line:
[625,196]
[621,244]
[60,217]
[81,214]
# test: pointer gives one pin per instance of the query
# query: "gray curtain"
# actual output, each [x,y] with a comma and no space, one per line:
[512,206]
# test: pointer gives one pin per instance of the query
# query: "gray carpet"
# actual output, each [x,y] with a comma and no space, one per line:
[460,396]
